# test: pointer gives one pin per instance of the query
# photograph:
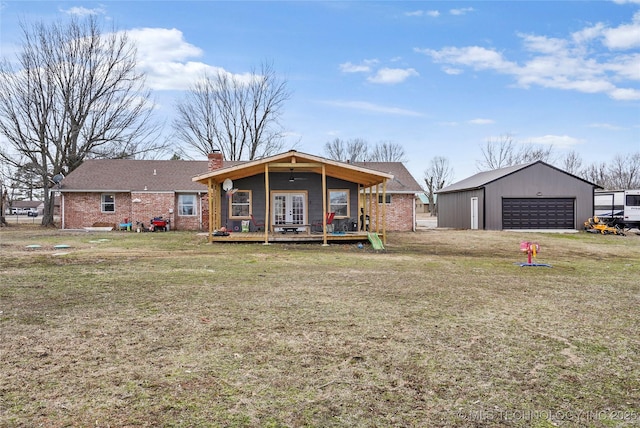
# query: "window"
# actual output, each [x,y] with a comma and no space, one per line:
[240,206]
[387,199]
[339,203]
[633,201]
[108,203]
[186,205]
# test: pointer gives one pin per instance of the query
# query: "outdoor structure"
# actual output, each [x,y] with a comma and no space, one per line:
[402,192]
[122,191]
[295,193]
[535,195]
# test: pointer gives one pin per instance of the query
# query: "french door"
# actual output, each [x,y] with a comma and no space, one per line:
[289,209]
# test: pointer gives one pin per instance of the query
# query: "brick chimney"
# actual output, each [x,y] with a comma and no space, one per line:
[215,160]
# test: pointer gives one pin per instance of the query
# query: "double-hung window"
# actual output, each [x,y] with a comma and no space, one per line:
[108,203]
[339,202]
[186,205]
[240,204]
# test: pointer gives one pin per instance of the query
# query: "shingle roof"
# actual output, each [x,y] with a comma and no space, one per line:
[402,182]
[125,175]
[134,175]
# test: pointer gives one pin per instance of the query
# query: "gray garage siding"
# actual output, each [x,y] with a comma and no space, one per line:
[454,209]
[537,180]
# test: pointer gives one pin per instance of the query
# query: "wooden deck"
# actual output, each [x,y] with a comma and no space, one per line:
[292,237]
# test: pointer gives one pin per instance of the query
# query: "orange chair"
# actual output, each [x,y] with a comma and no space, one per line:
[256,224]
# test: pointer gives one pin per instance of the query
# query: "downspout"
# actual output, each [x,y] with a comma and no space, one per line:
[61,210]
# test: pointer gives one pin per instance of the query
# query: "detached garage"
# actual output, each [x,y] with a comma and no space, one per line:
[530,196]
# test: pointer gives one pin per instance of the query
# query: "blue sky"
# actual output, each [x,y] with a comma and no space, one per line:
[438,78]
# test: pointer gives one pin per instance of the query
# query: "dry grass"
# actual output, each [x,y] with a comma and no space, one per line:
[442,329]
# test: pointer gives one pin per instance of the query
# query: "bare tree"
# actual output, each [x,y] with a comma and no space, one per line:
[354,150]
[238,115]
[535,152]
[597,173]
[436,176]
[624,171]
[504,151]
[572,163]
[74,95]
[386,151]
[336,149]
[498,153]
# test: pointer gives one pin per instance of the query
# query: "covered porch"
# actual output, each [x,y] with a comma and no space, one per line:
[343,237]
[293,197]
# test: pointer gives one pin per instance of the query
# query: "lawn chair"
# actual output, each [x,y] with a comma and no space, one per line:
[256,224]
[318,223]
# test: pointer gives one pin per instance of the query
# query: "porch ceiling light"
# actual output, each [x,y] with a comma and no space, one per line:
[291,179]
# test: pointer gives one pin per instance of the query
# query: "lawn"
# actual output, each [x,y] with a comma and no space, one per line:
[441,329]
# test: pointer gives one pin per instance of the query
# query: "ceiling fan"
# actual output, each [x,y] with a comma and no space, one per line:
[293,178]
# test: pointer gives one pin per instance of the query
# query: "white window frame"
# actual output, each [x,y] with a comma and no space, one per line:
[104,203]
[182,205]
[246,203]
[346,204]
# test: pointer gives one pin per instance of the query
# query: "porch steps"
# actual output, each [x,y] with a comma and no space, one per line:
[376,243]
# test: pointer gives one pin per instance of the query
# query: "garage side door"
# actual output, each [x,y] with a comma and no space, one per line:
[538,213]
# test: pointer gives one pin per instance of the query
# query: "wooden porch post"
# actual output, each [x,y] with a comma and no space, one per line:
[324,206]
[384,212]
[210,203]
[377,208]
[267,220]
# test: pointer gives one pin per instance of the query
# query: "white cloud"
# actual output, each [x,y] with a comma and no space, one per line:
[392,75]
[163,57]
[559,141]
[432,13]
[370,107]
[572,64]
[83,11]
[461,11]
[452,71]
[480,121]
[626,36]
[606,126]
[348,67]
[473,56]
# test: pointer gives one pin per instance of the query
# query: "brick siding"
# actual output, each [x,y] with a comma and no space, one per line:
[84,209]
[399,213]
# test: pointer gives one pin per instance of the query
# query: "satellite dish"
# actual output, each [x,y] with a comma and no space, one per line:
[57,178]
[227,185]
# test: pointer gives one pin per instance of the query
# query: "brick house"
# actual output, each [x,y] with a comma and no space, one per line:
[120,190]
[115,191]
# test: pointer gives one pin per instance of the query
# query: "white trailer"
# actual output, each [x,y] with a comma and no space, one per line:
[621,207]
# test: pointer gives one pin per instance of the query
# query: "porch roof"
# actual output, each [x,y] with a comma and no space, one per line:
[298,162]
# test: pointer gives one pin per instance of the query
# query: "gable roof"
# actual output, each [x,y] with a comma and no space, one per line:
[481,179]
[126,175]
[301,162]
[402,181]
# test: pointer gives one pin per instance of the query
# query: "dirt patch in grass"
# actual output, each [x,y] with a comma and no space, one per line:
[442,329]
